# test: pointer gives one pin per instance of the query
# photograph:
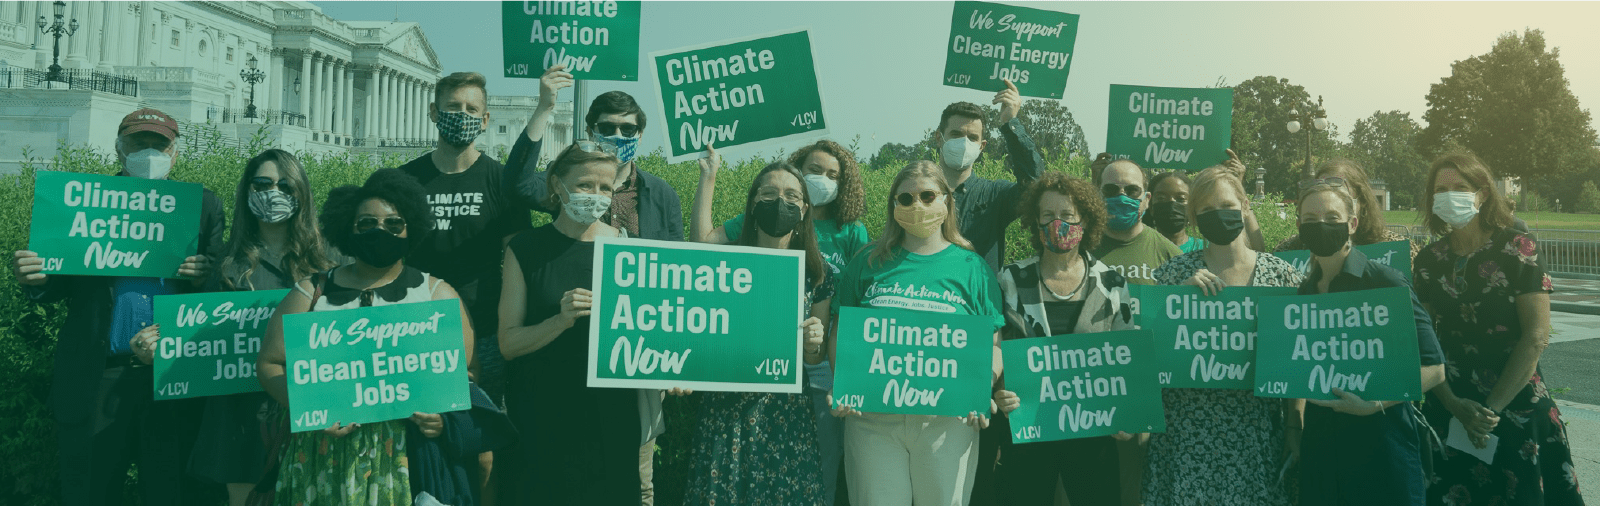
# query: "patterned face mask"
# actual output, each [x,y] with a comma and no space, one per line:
[1059,236]
[458,128]
[272,206]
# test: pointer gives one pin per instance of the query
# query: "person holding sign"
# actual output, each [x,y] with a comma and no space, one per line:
[1356,451]
[1169,214]
[1490,300]
[763,447]
[1371,228]
[349,464]
[1215,433]
[102,398]
[579,444]
[1063,290]
[984,206]
[921,263]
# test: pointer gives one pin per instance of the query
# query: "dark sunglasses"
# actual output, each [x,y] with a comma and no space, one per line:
[1133,191]
[1330,181]
[264,183]
[627,129]
[927,196]
[393,224]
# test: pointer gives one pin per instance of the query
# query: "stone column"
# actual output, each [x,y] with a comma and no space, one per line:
[428,129]
[302,103]
[313,87]
[274,91]
[110,29]
[411,108]
[339,98]
[385,104]
[328,94]
[367,117]
[392,104]
[76,45]
[349,100]
[89,30]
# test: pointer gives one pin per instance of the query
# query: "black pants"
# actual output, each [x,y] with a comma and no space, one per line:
[1086,467]
[129,427]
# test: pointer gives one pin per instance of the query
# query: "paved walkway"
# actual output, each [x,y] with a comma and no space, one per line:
[1580,296]
[1583,433]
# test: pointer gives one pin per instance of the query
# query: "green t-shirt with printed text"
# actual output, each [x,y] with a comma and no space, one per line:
[954,281]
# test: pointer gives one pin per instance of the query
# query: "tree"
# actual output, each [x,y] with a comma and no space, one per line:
[1511,107]
[896,153]
[1053,129]
[1589,199]
[1386,144]
[1261,108]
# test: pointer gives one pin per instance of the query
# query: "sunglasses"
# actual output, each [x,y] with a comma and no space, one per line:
[393,224]
[595,147]
[1133,191]
[263,183]
[926,196]
[627,129]
[1330,181]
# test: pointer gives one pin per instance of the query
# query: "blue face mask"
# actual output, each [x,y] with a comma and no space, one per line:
[1122,212]
[626,146]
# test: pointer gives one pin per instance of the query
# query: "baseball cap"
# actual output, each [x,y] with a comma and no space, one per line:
[149,120]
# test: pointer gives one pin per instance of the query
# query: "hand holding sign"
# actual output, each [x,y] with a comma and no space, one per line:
[430,424]
[574,305]
[1210,284]
[1010,102]
[28,268]
[195,267]
[144,343]
[555,79]
[813,339]
[1006,401]
[1349,403]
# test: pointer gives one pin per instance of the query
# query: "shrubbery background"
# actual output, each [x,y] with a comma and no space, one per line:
[28,332]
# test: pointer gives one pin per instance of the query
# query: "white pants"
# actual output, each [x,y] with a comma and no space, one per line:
[909,459]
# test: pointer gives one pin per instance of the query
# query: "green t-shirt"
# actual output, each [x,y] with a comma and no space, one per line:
[1139,258]
[955,281]
[1194,243]
[837,244]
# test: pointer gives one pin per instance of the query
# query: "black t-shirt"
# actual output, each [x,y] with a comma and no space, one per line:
[1063,315]
[471,217]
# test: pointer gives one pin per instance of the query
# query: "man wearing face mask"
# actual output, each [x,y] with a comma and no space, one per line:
[1129,247]
[102,401]
[986,207]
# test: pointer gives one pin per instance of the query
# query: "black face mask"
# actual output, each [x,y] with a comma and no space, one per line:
[1168,217]
[1324,239]
[378,247]
[1221,226]
[777,217]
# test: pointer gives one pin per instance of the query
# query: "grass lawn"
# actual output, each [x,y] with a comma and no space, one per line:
[1544,220]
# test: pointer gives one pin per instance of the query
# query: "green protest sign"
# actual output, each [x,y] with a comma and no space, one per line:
[1395,254]
[1134,307]
[1363,342]
[991,42]
[400,359]
[1083,385]
[209,342]
[743,92]
[594,39]
[697,316]
[1170,128]
[913,362]
[94,225]
[1205,342]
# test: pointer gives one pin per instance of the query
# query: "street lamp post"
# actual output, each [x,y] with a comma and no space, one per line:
[251,76]
[57,29]
[1314,119]
[1261,181]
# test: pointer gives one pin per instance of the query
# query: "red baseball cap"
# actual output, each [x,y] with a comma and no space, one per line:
[149,120]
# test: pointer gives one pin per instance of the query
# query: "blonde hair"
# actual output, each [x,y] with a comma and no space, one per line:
[1206,184]
[894,234]
[1343,192]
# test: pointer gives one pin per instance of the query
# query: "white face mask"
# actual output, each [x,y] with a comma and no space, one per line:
[1455,208]
[822,189]
[148,164]
[960,152]
[585,208]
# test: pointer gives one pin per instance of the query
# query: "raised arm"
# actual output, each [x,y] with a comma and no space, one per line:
[1022,154]
[523,179]
[700,221]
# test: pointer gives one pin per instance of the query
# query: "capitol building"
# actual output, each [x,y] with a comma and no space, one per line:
[325,84]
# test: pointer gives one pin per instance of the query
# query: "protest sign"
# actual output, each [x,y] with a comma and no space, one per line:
[913,362]
[1205,342]
[401,359]
[209,342]
[1362,342]
[1083,385]
[594,39]
[1395,254]
[1134,306]
[94,225]
[1170,128]
[746,92]
[696,316]
[992,42]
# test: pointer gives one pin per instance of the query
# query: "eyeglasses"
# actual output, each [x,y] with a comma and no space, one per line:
[1133,191]
[1330,181]
[393,224]
[771,193]
[627,129]
[926,196]
[595,147]
[264,183]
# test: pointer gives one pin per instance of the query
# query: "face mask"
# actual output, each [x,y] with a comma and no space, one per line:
[378,247]
[1168,217]
[272,206]
[626,146]
[1122,212]
[1221,226]
[777,217]
[921,221]
[585,208]
[148,164]
[1059,236]
[822,189]
[458,128]
[1456,208]
[960,152]
[1324,239]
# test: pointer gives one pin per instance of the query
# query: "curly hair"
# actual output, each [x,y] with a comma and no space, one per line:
[1370,225]
[393,186]
[1495,212]
[894,234]
[850,203]
[304,250]
[1091,208]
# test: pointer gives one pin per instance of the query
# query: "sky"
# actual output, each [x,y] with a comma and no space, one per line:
[880,63]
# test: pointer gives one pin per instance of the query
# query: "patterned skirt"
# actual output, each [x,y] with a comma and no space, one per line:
[1222,447]
[752,448]
[365,467]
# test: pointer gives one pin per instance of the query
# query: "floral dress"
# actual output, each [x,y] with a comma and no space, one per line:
[1221,446]
[757,448]
[1473,301]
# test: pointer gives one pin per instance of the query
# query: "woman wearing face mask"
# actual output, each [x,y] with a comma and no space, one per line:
[1222,446]
[1063,290]
[579,445]
[1169,214]
[358,463]
[906,459]
[761,448]
[1371,229]
[1490,300]
[1358,452]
